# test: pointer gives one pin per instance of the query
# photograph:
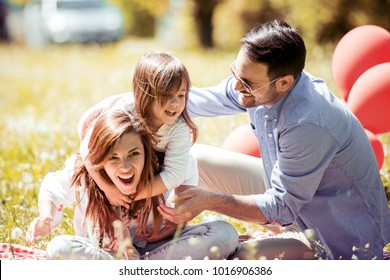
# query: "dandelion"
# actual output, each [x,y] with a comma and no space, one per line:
[16,233]
[354,257]
[117,224]
[309,233]
[193,241]
[106,241]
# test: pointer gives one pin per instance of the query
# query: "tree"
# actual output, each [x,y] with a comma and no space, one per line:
[203,15]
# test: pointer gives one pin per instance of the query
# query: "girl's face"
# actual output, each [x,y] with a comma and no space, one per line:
[170,111]
[125,163]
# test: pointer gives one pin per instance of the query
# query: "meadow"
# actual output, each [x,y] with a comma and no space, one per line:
[45,91]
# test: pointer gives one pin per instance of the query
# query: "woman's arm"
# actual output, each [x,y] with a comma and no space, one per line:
[42,226]
[55,193]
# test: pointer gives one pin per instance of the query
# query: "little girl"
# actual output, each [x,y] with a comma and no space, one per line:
[121,150]
[161,86]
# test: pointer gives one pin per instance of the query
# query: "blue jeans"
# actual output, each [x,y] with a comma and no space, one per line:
[213,240]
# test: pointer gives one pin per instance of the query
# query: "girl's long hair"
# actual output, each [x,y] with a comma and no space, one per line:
[109,128]
[157,76]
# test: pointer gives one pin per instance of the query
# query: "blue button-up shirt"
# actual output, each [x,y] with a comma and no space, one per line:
[319,164]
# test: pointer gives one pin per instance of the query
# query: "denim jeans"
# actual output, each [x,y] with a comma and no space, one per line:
[213,240]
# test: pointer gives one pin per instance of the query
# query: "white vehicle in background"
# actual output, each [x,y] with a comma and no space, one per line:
[71,21]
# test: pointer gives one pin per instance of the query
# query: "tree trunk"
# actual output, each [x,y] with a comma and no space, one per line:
[203,14]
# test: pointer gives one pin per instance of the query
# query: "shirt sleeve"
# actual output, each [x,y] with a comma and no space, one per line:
[305,152]
[176,158]
[214,101]
[56,187]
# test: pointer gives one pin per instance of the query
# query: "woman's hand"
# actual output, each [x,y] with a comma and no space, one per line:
[168,230]
[40,227]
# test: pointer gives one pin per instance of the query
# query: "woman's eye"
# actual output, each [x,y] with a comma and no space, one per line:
[134,154]
[112,158]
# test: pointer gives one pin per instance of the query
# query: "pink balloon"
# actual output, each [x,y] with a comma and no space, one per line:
[243,140]
[369,98]
[360,49]
[377,148]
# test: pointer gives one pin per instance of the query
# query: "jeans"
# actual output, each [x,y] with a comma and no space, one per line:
[213,240]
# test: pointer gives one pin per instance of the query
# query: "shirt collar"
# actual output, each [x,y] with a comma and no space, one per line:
[275,110]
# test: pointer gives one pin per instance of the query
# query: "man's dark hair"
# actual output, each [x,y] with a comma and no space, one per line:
[278,45]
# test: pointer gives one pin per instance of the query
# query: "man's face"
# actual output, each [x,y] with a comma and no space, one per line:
[253,83]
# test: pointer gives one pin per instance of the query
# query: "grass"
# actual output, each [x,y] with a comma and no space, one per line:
[45,91]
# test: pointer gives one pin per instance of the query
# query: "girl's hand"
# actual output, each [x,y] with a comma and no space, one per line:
[116,197]
[40,227]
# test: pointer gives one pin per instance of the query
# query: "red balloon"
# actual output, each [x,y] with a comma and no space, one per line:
[358,50]
[377,148]
[369,98]
[243,140]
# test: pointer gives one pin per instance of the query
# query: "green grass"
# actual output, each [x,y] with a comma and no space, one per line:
[45,91]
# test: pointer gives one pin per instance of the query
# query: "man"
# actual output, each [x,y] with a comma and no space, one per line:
[319,166]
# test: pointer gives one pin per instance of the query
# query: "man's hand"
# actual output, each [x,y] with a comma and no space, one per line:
[188,204]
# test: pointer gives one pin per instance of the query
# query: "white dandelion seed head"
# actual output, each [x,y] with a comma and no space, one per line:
[215,250]
[194,241]
[117,224]
[16,233]
[106,241]
[309,233]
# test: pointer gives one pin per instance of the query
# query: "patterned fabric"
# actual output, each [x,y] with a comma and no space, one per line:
[20,252]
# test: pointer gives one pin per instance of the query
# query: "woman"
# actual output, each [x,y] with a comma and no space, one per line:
[121,150]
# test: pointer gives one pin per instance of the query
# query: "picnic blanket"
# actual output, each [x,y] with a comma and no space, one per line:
[20,252]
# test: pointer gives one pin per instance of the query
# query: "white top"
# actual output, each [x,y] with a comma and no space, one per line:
[180,167]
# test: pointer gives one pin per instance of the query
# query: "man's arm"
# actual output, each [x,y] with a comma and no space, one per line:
[193,201]
[220,100]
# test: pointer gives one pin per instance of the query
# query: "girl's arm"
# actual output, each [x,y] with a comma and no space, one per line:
[177,141]
[157,189]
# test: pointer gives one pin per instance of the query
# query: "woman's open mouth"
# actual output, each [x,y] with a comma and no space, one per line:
[127,180]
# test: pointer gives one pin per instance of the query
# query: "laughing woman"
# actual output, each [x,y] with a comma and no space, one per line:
[121,149]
